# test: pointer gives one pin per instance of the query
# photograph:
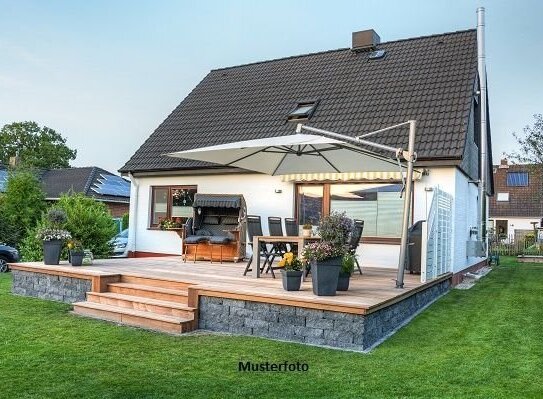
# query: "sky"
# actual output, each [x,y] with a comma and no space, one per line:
[105,74]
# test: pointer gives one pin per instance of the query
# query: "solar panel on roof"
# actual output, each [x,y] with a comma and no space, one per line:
[517,179]
[112,185]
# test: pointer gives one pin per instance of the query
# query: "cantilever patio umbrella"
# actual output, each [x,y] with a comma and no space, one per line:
[326,152]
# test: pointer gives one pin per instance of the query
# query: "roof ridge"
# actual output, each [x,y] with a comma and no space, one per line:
[90,179]
[341,49]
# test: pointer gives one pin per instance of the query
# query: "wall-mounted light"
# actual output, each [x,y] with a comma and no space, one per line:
[278,191]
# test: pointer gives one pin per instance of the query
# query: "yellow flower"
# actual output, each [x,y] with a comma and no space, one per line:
[282,263]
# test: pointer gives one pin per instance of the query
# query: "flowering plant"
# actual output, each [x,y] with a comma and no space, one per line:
[49,234]
[169,224]
[321,250]
[290,262]
[335,228]
[75,246]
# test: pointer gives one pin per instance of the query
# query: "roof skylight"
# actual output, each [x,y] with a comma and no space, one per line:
[303,110]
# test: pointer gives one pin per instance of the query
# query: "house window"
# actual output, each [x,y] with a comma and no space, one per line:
[171,202]
[517,179]
[303,110]
[502,197]
[379,205]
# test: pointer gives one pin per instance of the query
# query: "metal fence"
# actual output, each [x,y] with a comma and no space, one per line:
[512,246]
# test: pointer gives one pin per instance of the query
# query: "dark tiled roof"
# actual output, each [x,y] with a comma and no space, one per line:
[428,78]
[56,182]
[523,201]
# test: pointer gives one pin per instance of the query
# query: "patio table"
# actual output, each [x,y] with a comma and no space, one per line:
[257,240]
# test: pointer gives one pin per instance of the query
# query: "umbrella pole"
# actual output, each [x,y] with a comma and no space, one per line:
[410,158]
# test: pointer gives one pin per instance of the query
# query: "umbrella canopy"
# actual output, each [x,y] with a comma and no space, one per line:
[298,153]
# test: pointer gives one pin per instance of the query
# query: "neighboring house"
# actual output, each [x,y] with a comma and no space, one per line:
[432,79]
[518,201]
[104,186]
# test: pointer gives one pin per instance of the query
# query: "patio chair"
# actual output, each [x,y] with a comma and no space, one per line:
[292,229]
[254,228]
[354,240]
[278,248]
[192,240]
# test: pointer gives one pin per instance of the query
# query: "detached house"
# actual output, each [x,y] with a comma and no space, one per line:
[369,86]
[518,202]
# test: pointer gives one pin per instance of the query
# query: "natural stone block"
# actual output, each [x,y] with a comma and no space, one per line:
[291,320]
[261,324]
[309,332]
[234,303]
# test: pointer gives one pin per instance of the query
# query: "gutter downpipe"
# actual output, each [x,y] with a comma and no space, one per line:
[481,66]
[133,218]
[410,156]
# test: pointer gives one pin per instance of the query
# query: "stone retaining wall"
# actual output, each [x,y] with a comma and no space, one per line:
[48,286]
[310,326]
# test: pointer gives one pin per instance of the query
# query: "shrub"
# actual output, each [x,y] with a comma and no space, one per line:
[21,206]
[125,221]
[87,220]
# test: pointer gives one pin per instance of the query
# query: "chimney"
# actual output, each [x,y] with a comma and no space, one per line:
[365,40]
[504,164]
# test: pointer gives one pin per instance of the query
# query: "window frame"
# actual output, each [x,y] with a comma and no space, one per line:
[326,204]
[169,200]
[291,117]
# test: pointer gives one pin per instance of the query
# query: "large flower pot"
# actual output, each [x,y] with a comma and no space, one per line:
[76,258]
[292,280]
[324,276]
[343,281]
[51,252]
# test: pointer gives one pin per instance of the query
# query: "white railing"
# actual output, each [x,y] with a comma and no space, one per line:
[437,236]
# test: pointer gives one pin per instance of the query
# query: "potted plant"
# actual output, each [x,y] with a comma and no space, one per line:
[347,268]
[326,256]
[307,230]
[53,236]
[291,272]
[76,252]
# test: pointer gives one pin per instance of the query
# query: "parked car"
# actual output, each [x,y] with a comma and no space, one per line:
[7,254]
[120,244]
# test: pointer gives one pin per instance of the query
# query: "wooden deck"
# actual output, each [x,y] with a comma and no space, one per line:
[373,290]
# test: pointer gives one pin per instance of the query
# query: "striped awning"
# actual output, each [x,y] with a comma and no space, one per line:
[353,176]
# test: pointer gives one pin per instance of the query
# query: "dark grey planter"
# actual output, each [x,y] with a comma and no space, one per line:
[292,280]
[51,252]
[343,281]
[324,275]
[76,258]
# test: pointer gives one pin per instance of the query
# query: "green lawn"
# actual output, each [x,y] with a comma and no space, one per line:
[486,342]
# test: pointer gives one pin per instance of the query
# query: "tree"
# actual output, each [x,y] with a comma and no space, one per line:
[531,143]
[21,206]
[531,152]
[37,147]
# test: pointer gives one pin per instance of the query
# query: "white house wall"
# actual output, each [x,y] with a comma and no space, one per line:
[262,198]
[259,192]
[465,208]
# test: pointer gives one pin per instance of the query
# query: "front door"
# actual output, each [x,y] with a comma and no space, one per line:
[501,228]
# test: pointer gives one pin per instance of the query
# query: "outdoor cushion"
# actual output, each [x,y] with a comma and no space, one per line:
[211,220]
[203,232]
[196,239]
[230,220]
[219,240]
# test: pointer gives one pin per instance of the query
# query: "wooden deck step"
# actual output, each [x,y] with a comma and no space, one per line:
[155,282]
[145,304]
[147,291]
[136,318]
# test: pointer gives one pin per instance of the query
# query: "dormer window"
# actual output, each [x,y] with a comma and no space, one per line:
[303,110]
